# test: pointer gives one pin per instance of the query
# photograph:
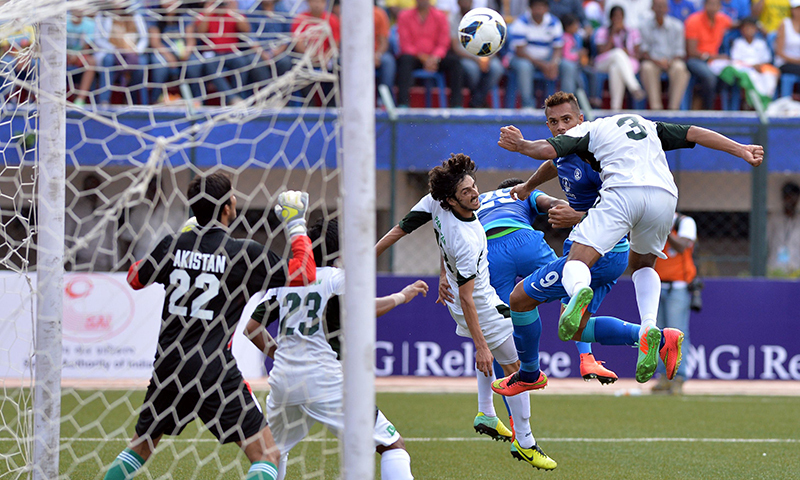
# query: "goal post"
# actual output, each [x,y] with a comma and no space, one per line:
[358,141]
[50,190]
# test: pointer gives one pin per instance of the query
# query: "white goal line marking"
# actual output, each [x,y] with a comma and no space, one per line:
[486,439]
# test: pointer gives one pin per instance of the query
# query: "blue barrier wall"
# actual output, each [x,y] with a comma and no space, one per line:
[746,330]
[424,137]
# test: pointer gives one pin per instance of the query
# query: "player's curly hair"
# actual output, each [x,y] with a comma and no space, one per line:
[208,194]
[326,251]
[444,179]
[510,182]
[560,98]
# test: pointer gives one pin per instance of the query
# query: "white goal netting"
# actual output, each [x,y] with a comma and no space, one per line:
[156,94]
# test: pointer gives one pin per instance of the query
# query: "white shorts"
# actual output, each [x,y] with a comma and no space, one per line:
[495,326]
[291,423]
[506,352]
[646,212]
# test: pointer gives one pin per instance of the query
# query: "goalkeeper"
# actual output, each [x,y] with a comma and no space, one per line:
[306,383]
[208,277]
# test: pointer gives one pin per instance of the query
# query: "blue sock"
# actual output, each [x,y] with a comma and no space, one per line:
[588,333]
[527,331]
[660,345]
[611,331]
[583,347]
[499,373]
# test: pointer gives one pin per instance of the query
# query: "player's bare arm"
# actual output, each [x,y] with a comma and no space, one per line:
[395,234]
[445,295]
[258,334]
[512,140]
[752,154]
[546,172]
[483,356]
[384,304]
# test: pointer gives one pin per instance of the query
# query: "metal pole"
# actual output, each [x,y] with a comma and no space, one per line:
[758,209]
[358,140]
[50,253]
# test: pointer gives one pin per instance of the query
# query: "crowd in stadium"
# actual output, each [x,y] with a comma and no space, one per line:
[624,53]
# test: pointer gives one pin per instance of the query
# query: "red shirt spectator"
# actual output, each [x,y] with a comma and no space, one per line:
[428,36]
[381,26]
[708,36]
[223,26]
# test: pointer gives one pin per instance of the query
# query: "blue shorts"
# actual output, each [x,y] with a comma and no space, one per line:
[545,284]
[517,254]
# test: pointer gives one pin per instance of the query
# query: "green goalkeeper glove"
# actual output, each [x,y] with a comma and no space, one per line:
[291,209]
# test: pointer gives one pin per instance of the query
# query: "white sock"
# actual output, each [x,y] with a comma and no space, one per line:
[520,406]
[647,284]
[485,394]
[576,275]
[396,465]
[282,466]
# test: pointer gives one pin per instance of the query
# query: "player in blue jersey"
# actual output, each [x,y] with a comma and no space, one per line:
[517,250]
[581,185]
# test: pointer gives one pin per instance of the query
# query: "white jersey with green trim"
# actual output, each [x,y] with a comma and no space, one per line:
[305,368]
[628,148]
[462,243]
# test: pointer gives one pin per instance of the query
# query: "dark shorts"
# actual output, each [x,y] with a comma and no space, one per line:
[229,410]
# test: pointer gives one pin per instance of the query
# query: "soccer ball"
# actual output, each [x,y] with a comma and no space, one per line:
[482,31]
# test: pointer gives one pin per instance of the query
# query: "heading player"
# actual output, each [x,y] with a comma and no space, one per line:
[306,382]
[638,196]
[478,311]
[208,277]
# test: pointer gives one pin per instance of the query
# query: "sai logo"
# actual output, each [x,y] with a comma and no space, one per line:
[96,307]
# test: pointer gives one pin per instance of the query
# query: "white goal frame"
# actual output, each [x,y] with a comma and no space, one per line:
[358,166]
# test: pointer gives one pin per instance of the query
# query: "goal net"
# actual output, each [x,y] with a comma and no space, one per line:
[157,93]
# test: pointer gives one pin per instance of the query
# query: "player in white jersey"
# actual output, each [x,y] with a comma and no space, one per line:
[478,311]
[306,379]
[638,196]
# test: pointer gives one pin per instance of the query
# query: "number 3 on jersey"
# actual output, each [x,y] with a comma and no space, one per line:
[312,303]
[636,130]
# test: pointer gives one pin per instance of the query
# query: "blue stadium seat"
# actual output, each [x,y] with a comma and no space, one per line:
[432,79]
[788,81]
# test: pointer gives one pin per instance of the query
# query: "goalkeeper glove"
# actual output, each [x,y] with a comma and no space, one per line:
[291,209]
[189,224]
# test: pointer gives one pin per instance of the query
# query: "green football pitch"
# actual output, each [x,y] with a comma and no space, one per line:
[590,436]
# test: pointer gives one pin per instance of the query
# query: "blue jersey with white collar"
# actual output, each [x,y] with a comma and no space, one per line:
[498,209]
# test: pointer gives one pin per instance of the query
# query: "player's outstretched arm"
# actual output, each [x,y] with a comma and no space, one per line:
[395,234]
[483,356]
[384,304]
[546,172]
[752,154]
[292,209]
[258,334]
[511,139]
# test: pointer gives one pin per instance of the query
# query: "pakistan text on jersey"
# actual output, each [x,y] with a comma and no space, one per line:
[188,259]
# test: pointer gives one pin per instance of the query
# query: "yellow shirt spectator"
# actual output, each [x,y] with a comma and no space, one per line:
[772,13]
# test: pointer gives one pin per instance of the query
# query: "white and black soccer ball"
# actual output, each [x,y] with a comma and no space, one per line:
[482,31]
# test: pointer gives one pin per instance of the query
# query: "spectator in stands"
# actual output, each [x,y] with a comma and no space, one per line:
[618,54]
[270,28]
[575,56]
[595,13]
[738,10]
[771,13]
[537,41]
[309,39]
[704,32]
[425,43]
[80,57]
[636,11]
[677,272]
[681,9]
[121,38]
[225,51]
[97,251]
[146,223]
[174,57]
[787,44]
[663,49]
[784,234]
[560,8]
[750,66]
[385,63]
[481,73]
